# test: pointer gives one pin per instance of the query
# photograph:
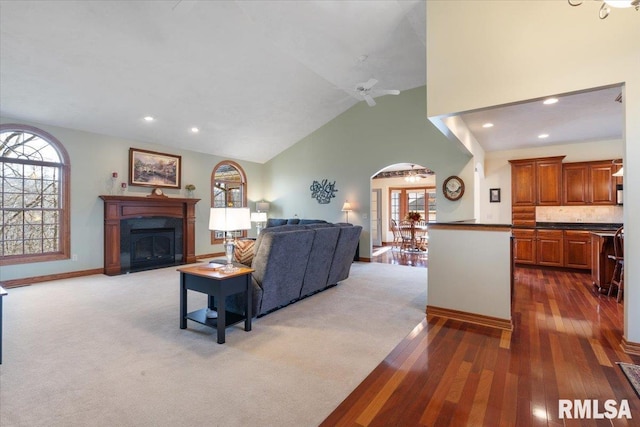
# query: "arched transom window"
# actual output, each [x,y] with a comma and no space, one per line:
[34,195]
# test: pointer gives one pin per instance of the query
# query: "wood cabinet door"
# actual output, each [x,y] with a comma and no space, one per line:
[577,249]
[524,247]
[523,180]
[549,247]
[575,184]
[602,184]
[549,182]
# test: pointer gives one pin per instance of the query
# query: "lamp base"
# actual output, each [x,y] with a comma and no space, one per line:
[228,249]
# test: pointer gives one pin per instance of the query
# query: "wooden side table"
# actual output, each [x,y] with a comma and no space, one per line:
[2,294]
[211,280]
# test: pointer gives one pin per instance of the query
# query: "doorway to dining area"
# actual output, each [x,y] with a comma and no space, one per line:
[403,202]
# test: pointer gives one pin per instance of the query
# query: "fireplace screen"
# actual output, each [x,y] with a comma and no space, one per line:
[151,247]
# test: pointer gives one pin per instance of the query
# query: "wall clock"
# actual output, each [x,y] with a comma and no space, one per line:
[453,188]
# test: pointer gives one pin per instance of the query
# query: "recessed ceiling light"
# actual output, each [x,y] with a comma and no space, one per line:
[543,135]
[487,125]
[148,119]
[550,101]
[195,129]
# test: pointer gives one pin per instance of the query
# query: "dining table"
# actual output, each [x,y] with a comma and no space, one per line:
[416,230]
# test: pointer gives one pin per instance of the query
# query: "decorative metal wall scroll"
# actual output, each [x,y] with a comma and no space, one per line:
[323,191]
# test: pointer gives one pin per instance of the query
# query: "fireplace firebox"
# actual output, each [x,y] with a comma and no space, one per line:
[152,247]
[151,242]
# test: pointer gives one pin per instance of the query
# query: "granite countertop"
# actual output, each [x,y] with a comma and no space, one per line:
[471,222]
[587,226]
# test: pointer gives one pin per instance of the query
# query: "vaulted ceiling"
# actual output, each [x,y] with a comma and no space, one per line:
[254,77]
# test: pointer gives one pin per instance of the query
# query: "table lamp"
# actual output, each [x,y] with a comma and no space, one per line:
[259,218]
[229,220]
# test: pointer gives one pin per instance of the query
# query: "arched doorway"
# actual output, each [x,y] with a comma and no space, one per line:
[397,190]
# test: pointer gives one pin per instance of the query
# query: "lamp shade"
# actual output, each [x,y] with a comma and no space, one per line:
[229,219]
[258,217]
[346,207]
[262,207]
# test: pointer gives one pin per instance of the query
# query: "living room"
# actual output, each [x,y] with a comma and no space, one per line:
[341,150]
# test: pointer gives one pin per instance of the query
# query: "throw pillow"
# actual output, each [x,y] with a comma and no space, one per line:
[243,251]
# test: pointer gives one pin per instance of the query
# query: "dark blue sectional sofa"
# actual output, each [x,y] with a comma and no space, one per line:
[294,261]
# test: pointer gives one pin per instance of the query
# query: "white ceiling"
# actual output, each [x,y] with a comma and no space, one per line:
[254,76]
[578,117]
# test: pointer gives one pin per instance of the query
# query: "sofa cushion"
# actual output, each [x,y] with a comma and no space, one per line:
[320,258]
[243,251]
[274,222]
[293,221]
[345,250]
[313,221]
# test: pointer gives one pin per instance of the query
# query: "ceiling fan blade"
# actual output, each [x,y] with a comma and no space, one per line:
[369,84]
[387,92]
[369,100]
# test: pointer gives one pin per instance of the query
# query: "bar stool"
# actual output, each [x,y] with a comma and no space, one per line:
[618,257]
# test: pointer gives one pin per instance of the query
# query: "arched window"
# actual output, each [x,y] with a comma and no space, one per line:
[228,189]
[34,190]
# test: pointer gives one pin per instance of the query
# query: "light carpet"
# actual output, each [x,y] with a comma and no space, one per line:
[108,351]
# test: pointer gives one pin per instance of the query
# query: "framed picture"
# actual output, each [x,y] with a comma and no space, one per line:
[153,169]
[494,195]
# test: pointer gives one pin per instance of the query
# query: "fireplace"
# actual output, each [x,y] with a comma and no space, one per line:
[141,233]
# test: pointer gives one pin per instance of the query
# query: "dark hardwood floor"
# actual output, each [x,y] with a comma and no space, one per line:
[564,345]
[389,255]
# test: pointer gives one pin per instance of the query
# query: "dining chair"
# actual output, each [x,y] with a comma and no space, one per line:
[397,238]
[406,234]
[617,278]
[422,235]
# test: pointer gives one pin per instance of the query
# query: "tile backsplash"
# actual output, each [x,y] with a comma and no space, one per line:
[606,214]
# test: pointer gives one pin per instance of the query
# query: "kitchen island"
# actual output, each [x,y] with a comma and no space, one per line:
[601,265]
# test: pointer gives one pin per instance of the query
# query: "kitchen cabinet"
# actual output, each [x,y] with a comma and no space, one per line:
[553,248]
[523,216]
[577,249]
[536,182]
[524,246]
[523,192]
[549,181]
[589,183]
[550,248]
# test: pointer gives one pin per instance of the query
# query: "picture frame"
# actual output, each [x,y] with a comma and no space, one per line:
[154,169]
[494,195]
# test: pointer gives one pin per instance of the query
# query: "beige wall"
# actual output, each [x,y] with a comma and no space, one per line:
[489,53]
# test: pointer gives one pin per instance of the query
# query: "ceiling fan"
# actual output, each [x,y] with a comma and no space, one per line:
[365,91]
[415,175]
